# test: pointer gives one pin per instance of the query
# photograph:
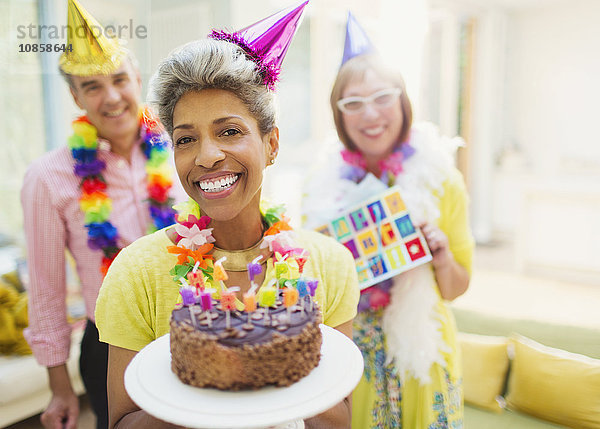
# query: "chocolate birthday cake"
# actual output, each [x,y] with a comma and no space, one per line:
[245,351]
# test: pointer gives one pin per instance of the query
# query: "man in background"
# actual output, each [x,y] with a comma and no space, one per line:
[106,188]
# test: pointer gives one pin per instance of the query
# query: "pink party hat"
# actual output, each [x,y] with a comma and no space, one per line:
[267,41]
[357,42]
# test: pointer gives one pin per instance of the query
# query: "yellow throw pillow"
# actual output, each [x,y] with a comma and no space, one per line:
[554,385]
[485,362]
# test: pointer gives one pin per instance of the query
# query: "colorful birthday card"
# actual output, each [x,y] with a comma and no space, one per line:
[381,236]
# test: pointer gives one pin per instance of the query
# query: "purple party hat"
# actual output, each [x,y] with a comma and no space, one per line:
[357,42]
[267,41]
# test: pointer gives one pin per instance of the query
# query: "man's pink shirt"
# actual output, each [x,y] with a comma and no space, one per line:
[53,222]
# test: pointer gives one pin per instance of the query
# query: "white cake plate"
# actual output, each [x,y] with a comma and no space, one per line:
[152,385]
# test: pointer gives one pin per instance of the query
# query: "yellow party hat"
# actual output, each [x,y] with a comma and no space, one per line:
[93,51]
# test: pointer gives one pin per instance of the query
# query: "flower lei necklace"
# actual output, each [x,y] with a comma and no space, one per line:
[95,203]
[356,166]
[194,241]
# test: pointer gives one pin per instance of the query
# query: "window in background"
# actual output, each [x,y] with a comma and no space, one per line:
[294,92]
[465,86]
[174,24]
[283,182]
[430,90]
[21,111]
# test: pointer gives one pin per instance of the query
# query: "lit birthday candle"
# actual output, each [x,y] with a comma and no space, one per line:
[228,304]
[290,298]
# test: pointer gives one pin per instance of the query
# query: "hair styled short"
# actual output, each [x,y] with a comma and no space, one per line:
[211,64]
[356,68]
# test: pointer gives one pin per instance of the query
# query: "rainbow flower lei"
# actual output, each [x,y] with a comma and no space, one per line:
[194,242]
[95,203]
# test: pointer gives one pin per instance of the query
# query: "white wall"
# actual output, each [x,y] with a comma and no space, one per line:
[554,69]
[552,103]
[547,181]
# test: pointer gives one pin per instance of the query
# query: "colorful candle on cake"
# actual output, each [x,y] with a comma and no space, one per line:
[290,298]
[303,292]
[187,296]
[302,287]
[219,273]
[254,269]
[266,298]
[196,279]
[228,304]
[282,269]
[301,261]
[312,288]
[250,304]
[207,304]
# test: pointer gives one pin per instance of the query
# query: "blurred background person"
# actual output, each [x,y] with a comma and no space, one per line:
[405,330]
[92,197]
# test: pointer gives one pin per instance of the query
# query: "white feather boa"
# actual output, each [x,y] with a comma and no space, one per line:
[411,324]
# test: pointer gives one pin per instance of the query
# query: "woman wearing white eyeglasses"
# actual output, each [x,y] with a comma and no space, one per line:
[406,332]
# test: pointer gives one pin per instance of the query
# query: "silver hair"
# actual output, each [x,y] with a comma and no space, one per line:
[212,64]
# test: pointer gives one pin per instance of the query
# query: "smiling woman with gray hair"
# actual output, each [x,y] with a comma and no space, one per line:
[211,64]
[215,100]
